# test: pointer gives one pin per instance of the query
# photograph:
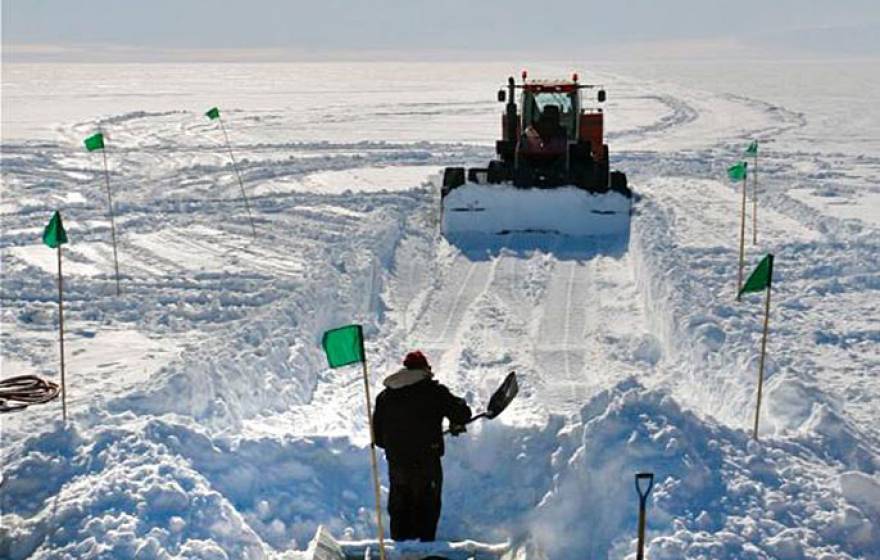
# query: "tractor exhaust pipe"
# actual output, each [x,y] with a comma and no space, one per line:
[511,111]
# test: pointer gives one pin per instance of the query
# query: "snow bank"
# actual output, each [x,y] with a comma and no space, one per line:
[169,488]
[683,243]
[114,493]
[717,493]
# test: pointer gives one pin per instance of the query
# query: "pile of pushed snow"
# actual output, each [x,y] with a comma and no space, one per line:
[718,494]
[112,492]
[132,490]
[127,489]
[813,446]
[503,209]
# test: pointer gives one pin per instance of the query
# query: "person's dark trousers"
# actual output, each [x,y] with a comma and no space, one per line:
[414,499]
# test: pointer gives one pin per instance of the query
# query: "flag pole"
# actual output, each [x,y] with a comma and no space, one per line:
[238,174]
[112,219]
[379,526]
[763,345]
[61,337]
[755,202]
[742,238]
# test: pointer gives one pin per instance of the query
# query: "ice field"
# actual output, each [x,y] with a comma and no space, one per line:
[205,422]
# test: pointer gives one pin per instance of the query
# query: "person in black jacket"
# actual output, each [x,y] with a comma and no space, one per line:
[408,424]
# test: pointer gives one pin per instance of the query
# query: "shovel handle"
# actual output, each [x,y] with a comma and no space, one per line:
[640,477]
[643,497]
[477,417]
[500,399]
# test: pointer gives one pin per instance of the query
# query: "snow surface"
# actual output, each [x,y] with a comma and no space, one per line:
[205,423]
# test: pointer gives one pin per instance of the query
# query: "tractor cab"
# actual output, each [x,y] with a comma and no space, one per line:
[551,105]
[549,126]
[550,139]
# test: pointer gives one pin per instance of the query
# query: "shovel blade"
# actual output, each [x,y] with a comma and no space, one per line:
[503,396]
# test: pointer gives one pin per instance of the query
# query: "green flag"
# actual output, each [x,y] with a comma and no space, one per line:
[94,142]
[54,234]
[213,113]
[737,172]
[344,346]
[761,278]
[752,150]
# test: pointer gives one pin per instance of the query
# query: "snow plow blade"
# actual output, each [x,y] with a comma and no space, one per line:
[486,209]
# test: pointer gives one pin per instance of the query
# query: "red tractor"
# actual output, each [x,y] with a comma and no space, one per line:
[550,141]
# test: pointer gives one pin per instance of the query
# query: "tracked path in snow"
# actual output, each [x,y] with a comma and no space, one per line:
[562,344]
[568,324]
[441,329]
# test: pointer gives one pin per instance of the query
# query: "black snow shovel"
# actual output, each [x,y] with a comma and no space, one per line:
[502,397]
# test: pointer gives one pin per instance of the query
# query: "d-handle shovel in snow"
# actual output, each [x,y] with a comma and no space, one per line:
[502,397]
[643,498]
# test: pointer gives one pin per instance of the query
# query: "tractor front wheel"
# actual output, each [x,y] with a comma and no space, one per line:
[498,172]
[523,176]
[619,184]
[452,177]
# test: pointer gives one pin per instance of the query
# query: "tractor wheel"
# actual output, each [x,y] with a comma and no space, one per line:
[505,149]
[477,175]
[603,168]
[603,177]
[579,154]
[580,162]
[523,177]
[452,177]
[498,172]
[619,184]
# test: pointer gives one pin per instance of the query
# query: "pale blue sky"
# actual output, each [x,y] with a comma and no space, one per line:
[328,26]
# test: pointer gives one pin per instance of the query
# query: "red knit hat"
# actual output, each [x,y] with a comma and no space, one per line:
[416,360]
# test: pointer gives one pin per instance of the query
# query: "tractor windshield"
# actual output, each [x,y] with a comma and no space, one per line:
[561,100]
[564,101]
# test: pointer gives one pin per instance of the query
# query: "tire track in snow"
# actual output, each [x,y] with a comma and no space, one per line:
[567,326]
[456,304]
[446,321]
[557,355]
[595,340]
[681,115]
[551,323]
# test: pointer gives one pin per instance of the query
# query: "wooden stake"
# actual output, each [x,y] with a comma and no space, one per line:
[238,174]
[742,240]
[112,219]
[763,346]
[375,466]
[61,337]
